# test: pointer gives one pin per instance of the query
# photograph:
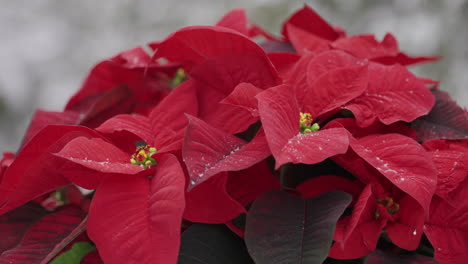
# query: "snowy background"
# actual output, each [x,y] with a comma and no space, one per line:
[48,46]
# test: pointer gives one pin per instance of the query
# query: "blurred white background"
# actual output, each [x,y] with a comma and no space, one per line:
[48,46]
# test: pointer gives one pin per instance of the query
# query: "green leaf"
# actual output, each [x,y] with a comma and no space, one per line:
[75,254]
[282,228]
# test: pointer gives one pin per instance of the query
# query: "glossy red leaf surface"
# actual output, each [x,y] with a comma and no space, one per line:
[135,124]
[404,59]
[314,147]
[394,94]
[402,161]
[195,44]
[244,96]
[367,47]
[382,257]
[334,88]
[99,155]
[357,235]
[279,113]
[386,52]
[209,202]
[308,20]
[116,85]
[169,115]
[235,19]
[325,183]
[447,227]
[305,41]
[137,219]
[42,118]
[407,231]
[451,160]
[297,77]
[208,151]
[246,185]
[92,258]
[35,171]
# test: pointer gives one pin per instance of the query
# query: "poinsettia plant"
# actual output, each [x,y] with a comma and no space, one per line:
[227,144]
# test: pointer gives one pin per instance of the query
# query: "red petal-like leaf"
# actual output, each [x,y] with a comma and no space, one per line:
[5,162]
[256,30]
[447,227]
[325,183]
[394,94]
[334,88]
[169,114]
[366,46]
[208,151]
[41,237]
[97,154]
[137,219]
[244,96]
[311,148]
[216,78]
[303,40]
[138,125]
[382,257]
[42,118]
[329,61]
[403,59]
[407,231]
[195,44]
[246,185]
[35,171]
[101,107]
[357,235]
[376,128]
[283,62]
[92,258]
[115,85]
[451,161]
[224,73]
[308,20]
[402,161]
[446,120]
[210,203]
[297,77]
[279,113]
[236,20]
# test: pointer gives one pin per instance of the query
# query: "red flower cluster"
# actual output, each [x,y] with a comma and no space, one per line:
[291,142]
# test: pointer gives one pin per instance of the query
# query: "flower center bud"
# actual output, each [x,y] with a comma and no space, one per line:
[307,124]
[387,203]
[142,157]
[179,77]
